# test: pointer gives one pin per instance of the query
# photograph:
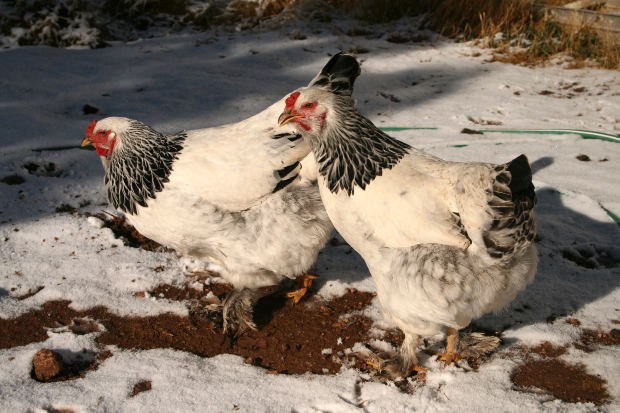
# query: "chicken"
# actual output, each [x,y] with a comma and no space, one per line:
[445,242]
[236,194]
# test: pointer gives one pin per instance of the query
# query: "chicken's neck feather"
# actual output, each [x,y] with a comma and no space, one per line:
[355,151]
[141,166]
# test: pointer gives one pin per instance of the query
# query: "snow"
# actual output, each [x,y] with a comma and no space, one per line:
[190,81]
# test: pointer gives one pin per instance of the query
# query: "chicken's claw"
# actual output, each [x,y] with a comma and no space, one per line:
[420,372]
[449,357]
[391,366]
[306,283]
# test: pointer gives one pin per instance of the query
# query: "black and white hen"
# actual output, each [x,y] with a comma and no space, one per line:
[234,194]
[445,242]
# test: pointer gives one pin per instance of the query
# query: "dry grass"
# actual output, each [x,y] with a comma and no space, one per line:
[480,18]
[379,11]
[528,35]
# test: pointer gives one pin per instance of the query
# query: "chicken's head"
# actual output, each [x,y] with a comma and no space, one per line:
[308,108]
[105,134]
[103,140]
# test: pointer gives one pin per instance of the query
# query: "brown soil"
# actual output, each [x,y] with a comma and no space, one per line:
[544,371]
[546,349]
[564,381]
[291,338]
[140,387]
[590,340]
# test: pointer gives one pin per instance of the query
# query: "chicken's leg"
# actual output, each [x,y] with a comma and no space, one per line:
[238,311]
[451,354]
[401,365]
[306,283]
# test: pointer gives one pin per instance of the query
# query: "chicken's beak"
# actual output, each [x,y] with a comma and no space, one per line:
[86,142]
[286,117]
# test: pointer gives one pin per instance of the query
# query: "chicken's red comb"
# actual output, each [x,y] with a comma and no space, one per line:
[290,101]
[91,128]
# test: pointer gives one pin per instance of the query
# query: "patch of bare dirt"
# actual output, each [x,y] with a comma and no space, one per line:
[308,337]
[590,340]
[141,386]
[176,293]
[567,382]
[547,349]
[544,371]
[291,338]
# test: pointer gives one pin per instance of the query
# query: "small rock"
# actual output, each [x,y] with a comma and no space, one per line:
[471,131]
[13,180]
[582,157]
[389,97]
[44,169]
[65,208]
[89,109]
[31,167]
[81,326]
[47,364]
[297,35]
[396,37]
[358,50]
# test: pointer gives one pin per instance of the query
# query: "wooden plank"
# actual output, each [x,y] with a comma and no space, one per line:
[584,4]
[612,6]
[599,21]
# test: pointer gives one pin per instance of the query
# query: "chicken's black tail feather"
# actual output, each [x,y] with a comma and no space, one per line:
[513,226]
[521,177]
[339,74]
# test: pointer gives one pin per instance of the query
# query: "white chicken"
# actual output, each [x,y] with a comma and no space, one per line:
[234,194]
[445,242]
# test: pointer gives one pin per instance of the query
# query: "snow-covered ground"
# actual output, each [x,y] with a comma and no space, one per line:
[191,81]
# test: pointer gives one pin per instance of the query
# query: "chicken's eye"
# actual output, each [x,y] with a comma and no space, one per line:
[309,105]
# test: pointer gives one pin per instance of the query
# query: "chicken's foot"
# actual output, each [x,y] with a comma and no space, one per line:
[306,283]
